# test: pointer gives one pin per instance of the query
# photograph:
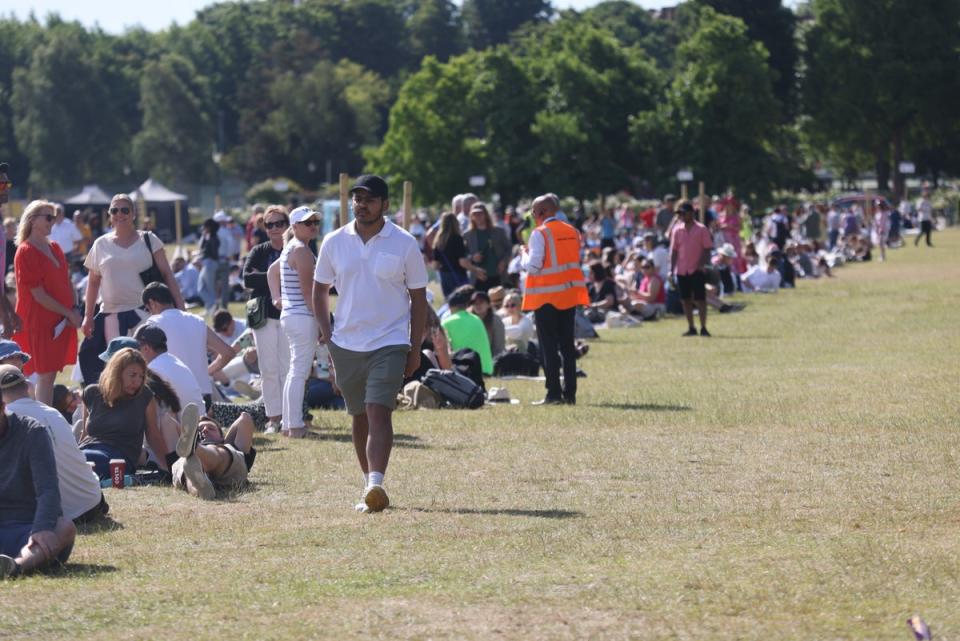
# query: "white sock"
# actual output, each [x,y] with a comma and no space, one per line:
[366,479]
[375,478]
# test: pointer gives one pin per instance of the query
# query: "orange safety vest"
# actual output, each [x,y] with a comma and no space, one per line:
[560,282]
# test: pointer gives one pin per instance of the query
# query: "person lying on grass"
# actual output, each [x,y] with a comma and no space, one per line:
[33,531]
[210,459]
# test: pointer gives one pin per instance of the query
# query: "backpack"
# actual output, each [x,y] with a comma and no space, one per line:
[467,362]
[416,395]
[454,388]
[516,364]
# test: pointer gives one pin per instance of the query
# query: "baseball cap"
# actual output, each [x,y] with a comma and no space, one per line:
[685,207]
[303,213]
[115,345]
[376,185]
[10,348]
[152,335]
[222,217]
[10,376]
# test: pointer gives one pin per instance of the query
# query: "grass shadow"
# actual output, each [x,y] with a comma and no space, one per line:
[71,570]
[399,440]
[542,514]
[643,407]
[759,337]
[102,524]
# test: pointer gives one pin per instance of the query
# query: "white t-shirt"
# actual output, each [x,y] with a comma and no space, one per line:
[761,280]
[239,327]
[372,280]
[79,486]
[187,340]
[119,268]
[924,209]
[66,234]
[184,383]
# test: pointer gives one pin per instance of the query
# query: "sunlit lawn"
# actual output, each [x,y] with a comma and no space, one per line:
[793,477]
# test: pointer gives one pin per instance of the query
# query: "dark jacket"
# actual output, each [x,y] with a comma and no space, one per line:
[255,268]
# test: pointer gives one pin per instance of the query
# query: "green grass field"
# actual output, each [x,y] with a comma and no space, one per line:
[793,477]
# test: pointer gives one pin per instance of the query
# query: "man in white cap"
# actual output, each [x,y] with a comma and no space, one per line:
[381,279]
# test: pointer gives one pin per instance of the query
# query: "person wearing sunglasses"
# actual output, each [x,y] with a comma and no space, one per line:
[518,329]
[45,300]
[273,350]
[114,263]
[297,317]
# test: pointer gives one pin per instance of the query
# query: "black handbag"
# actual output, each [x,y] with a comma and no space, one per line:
[257,312]
[152,274]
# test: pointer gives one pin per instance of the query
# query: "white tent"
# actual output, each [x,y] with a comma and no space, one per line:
[153,192]
[90,195]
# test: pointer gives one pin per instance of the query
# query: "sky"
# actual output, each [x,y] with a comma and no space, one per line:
[114,15]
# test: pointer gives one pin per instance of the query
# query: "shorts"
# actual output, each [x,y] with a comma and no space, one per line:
[692,286]
[369,377]
[236,473]
[13,536]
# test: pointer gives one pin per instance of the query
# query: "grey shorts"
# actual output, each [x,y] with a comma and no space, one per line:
[369,377]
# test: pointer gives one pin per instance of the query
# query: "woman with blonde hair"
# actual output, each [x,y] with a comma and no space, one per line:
[488,247]
[450,256]
[118,263]
[117,413]
[45,300]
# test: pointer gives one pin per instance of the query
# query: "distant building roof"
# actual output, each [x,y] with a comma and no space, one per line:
[90,195]
[153,192]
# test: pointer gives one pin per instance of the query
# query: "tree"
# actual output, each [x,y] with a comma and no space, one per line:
[17,41]
[436,29]
[176,138]
[878,75]
[67,141]
[490,22]
[633,26]
[719,115]
[773,24]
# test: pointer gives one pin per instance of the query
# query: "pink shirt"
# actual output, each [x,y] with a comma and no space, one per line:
[689,245]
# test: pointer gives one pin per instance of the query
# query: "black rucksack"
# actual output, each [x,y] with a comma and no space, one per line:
[454,388]
[516,364]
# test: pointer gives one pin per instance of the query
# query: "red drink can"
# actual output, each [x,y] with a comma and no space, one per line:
[118,467]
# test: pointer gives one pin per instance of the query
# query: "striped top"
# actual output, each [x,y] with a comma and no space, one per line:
[290,292]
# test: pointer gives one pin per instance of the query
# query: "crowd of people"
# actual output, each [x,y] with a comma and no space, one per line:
[179,395]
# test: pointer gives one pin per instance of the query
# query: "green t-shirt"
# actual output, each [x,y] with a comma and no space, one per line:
[485,243]
[466,330]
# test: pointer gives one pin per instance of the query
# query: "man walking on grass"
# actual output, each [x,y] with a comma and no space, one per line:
[381,281]
[690,245]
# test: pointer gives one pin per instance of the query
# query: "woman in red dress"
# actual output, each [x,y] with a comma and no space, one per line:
[45,299]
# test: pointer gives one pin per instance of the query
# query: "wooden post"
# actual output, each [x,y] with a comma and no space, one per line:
[683,191]
[407,203]
[178,225]
[703,202]
[344,204]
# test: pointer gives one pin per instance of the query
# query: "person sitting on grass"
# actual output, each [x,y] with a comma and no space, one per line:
[218,460]
[763,279]
[650,298]
[11,354]
[603,292]
[465,330]
[518,327]
[80,494]
[481,307]
[118,412]
[33,531]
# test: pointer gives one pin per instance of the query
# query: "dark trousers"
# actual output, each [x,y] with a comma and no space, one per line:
[555,334]
[926,227]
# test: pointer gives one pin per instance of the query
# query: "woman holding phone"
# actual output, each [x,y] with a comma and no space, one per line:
[45,300]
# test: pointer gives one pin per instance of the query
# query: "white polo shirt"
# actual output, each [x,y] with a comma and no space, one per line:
[187,340]
[372,280]
[79,486]
[181,379]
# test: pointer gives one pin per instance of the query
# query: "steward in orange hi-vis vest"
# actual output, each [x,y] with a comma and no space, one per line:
[560,282]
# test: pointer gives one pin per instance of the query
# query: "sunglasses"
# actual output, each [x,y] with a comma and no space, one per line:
[120,210]
[280,224]
[509,305]
[50,217]
[309,223]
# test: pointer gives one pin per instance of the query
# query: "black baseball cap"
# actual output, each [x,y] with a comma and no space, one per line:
[151,335]
[376,185]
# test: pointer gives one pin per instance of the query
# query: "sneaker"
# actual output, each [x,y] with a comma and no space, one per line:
[8,567]
[361,507]
[190,423]
[376,498]
[191,477]
[704,332]
[271,427]
[690,332]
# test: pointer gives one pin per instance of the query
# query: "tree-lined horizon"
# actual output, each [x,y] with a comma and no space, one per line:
[748,94]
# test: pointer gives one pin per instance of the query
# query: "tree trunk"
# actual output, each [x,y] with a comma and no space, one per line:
[882,163]
[899,180]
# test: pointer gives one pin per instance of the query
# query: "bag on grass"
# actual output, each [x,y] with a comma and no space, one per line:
[418,396]
[454,388]
[516,364]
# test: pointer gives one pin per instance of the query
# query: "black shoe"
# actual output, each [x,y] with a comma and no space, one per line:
[725,308]
[690,332]
[548,401]
[704,332]
[569,400]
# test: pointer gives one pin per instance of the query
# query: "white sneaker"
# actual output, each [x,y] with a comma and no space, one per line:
[271,428]
[361,507]
[189,424]
[376,498]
